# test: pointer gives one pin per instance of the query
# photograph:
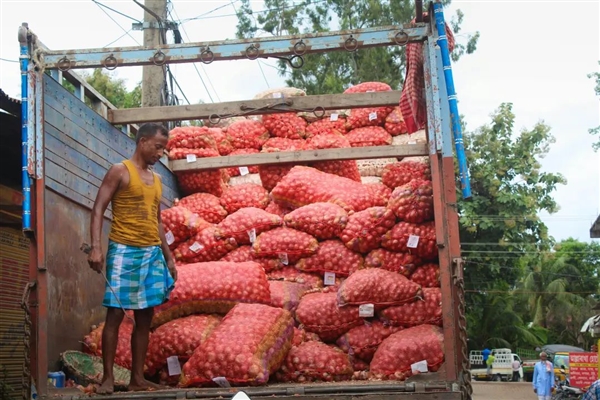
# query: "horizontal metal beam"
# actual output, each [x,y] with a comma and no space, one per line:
[354,153]
[215,111]
[253,48]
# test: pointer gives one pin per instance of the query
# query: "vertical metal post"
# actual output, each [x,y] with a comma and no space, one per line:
[26,182]
[454,115]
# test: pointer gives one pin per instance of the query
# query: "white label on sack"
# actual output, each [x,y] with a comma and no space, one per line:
[244,171]
[221,381]
[252,235]
[173,365]
[366,310]
[191,157]
[413,242]
[170,238]
[284,259]
[329,279]
[196,247]
[373,116]
[277,95]
[370,91]
[412,142]
[419,366]
[333,117]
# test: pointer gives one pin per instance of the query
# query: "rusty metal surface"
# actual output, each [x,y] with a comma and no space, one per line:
[74,291]
[207,52]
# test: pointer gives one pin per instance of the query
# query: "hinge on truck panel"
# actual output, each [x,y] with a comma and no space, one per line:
[465,376]
[419,387]
[27,326]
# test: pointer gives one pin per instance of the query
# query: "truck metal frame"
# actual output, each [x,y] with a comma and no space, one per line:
[67,148]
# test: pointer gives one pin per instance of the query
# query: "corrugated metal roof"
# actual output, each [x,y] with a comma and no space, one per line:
[595,229]
[9,104]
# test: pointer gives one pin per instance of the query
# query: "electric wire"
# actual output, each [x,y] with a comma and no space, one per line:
[115,21]
[116,11]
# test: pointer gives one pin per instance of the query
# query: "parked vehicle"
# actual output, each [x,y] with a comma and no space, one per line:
[564,390]
[501,367]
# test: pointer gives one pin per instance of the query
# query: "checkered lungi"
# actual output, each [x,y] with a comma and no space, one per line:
[138,275]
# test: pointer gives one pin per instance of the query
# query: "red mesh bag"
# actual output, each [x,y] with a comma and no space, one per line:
[413,202]
[235,171]
[428,276]
[362,341]
[332,256]
[93,342]
[398,174]
[246,224]
[244,253]
[247,347]
[365,228]
[381,192]
[179,338]
[191,137]
[315,361]
[291,274]
[402,263]
[276,209]
[204,246]
[394,123]
[212,181]
[397,239]
[286,125]
[365,87]
[319,313]
[369,136]
[270,175]
[285,241]
[327,126]
[378,287]
[286,295]
[345,168]
[305,185]
[247,134]
[223,144]
[322,220]
[180,223]
[424,342]
[244,195]
[301,336]
[427,310]
[276,144]
[213,287]
[206,205]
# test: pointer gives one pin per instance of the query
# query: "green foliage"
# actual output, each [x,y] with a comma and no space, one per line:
[596,130]
[333,72]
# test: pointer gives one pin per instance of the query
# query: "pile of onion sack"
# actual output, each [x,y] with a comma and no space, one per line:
[322,271]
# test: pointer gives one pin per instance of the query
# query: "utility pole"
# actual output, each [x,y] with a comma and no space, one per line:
[153,77]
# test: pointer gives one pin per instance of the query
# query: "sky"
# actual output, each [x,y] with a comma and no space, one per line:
[534,54]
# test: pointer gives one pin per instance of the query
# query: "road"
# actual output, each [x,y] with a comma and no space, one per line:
[503,391]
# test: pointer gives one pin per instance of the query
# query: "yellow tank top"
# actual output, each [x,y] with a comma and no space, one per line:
[135,209]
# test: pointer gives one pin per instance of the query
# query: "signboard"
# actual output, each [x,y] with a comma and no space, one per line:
[583,369]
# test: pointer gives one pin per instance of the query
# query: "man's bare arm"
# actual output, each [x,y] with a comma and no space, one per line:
[109,186]
[165,246]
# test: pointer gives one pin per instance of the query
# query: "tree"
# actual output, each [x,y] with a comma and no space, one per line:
[334,71]
[500,223]
[114,89]
[596,130]
[585,259]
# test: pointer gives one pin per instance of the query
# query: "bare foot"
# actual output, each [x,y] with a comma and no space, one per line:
[107,386]
[144,385]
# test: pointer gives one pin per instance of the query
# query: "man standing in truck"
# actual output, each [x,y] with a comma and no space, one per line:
[139,266]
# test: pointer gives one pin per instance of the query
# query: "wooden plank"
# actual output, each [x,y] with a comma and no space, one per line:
[355,153]
[256,107]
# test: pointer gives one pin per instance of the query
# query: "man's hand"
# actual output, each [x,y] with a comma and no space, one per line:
[172,269]
[96,259]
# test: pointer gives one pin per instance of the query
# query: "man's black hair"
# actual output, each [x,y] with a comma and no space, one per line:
[149,130]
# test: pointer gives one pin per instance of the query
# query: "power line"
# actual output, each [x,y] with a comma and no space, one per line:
[116,11]
[196,68]
[119,38]
[200,17]
[115,21]
[7,60]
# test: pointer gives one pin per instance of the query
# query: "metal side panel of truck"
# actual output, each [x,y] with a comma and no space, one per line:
[72,146]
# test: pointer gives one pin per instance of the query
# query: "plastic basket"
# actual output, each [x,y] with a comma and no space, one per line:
[86,369]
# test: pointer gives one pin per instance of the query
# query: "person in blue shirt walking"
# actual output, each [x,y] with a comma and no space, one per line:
[543,378]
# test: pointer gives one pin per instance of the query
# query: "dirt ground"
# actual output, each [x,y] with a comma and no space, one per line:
[503,391]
